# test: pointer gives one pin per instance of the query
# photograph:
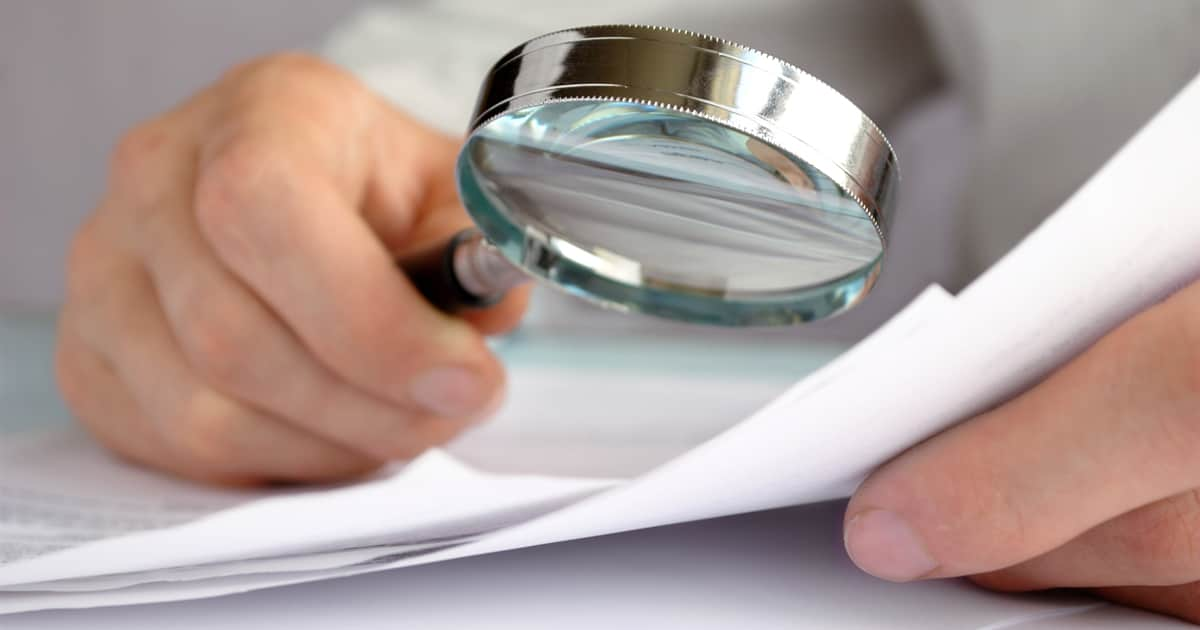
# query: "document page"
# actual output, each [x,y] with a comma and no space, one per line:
[783,569]
[60,490]
[430,503]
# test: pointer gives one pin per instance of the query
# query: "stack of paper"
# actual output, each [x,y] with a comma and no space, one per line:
[1129,238]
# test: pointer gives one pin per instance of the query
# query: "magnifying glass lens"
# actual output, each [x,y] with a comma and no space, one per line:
[647,209]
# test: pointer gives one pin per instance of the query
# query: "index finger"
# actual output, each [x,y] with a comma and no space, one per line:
[280,199]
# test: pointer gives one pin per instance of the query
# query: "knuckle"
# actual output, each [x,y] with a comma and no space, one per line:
[232,180]
[301,90]
[242,180]
[286,67]
[134,152]
[204,433]
[217,341]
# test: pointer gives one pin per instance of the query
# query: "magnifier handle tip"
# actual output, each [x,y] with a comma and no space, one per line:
[461,274]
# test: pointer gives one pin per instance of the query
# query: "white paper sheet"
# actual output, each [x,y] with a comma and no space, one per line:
[59,490]
[299,563]
[1093,264]
[432,500]
[783,569]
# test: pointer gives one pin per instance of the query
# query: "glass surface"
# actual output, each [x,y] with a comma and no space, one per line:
[652,210]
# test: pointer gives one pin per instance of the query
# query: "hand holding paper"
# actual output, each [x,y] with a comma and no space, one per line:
[1088,479]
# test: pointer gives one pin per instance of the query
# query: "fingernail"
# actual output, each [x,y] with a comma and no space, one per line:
[884,545]
[452,392]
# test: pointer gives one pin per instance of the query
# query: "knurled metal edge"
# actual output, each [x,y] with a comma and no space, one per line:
[525,48]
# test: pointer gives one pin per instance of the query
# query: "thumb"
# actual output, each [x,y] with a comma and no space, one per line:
[1112,430]
[412,204]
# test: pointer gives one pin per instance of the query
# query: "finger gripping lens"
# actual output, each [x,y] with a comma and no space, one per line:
[678,175]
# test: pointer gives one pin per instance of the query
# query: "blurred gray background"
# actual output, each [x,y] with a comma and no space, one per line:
[75,73]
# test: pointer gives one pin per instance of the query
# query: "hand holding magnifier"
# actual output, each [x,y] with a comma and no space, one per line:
[667,173]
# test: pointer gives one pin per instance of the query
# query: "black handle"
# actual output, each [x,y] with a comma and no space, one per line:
[433,274]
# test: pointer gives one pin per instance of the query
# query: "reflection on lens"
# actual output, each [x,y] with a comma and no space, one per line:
[652,210]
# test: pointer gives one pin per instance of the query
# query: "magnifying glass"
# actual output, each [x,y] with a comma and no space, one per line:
[669,173]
